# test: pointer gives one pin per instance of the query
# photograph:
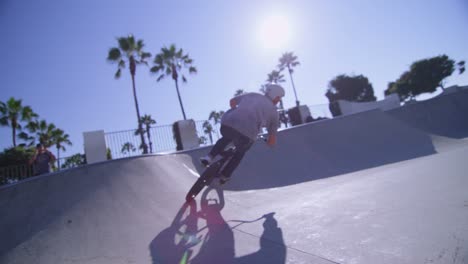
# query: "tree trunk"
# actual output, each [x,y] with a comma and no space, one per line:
[180,99]
[148,134]
[294,88]
[58,158]
[14,136]
[140,128]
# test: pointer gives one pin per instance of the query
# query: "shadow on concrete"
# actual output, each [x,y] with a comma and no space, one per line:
[272,248]
[174,243]
[184,242]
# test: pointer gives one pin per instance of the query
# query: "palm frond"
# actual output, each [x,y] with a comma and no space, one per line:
[124,44]
[155,69]
[3,108]
[122,64]
[118,73]
[140,44]
[168,71]
[145,55]
[4,121]
[114,55]
[160,77]
[131,42]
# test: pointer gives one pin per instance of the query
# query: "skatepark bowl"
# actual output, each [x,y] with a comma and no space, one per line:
[372,187]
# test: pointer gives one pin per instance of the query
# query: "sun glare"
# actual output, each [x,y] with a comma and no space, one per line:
[274,32]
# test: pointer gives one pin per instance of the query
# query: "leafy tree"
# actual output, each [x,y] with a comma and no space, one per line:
[108,154]
[208,129]
[60,139]
[18,157]
[171,62]
[349,88]
[128,148]
[147,120]
[289,60]
[74,161]
[424,76]
[12,113]
[401,87]
[130,52]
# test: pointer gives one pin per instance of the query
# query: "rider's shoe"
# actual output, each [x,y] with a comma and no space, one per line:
[206,160]
[223,179]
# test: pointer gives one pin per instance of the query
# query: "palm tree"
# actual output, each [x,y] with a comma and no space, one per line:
[170,62]
[12,113]
[208,129]
[131,52]
[239,92]
[275,77]
[202,140]
[216,116]
[59,138]
[289,61]
[147,120]
[127,148]
[43,132]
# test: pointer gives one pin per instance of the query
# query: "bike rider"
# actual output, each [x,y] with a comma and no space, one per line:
[242,123]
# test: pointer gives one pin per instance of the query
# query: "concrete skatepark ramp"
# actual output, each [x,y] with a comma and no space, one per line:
[445,115]
[367,188]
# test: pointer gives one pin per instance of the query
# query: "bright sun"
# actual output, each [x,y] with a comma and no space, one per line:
[274,33]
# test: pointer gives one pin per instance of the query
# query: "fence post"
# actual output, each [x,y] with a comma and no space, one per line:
[94,146]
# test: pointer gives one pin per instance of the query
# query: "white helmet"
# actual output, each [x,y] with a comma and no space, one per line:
[273,90]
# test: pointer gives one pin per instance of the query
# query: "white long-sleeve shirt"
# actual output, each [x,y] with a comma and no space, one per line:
[253,112]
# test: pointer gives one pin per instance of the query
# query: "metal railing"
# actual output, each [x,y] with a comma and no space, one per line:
[320,111]
[127,143]
[15,173]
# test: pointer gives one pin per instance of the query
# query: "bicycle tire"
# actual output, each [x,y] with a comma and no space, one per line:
[204,180]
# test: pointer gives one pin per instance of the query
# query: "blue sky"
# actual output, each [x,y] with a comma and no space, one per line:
[54,52]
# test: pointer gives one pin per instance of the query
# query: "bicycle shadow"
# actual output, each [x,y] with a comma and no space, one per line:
[184,242]
[218,243]
[174,243]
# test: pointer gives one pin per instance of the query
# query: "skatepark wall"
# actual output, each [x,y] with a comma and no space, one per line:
[85,214]
[390,102]
[445,115]
[328,148]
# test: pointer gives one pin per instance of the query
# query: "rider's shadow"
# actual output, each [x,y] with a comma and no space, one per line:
[272,248]
[184,242]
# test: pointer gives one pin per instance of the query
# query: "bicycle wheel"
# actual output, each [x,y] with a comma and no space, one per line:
[204,180]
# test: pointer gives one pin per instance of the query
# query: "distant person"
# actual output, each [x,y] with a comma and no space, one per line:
[243,122]
[42,160]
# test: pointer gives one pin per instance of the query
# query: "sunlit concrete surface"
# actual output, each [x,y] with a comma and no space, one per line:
[367,188]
